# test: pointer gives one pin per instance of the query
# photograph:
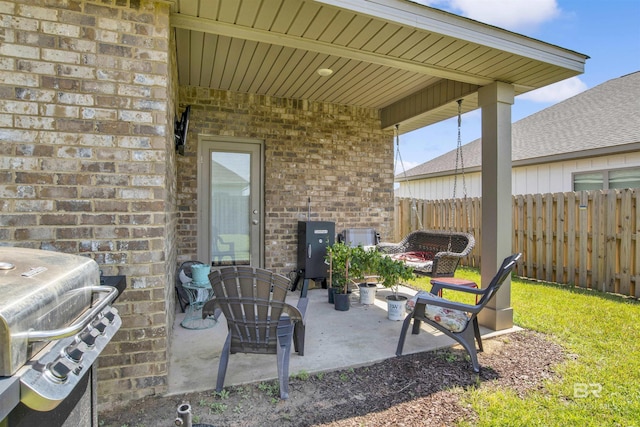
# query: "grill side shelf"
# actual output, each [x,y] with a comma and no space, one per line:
[118,282]
[9,395]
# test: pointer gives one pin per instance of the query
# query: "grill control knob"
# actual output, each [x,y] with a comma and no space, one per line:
[89,336]
[100,325]
[110,315]
[59,369]
[74,352]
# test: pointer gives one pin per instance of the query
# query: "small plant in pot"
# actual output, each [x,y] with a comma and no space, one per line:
[339,256]
[391,272]
[365,264]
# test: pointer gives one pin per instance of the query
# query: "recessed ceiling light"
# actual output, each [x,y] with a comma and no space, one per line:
[324,72]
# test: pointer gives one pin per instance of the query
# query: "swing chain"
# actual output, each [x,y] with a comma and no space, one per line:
[459,169]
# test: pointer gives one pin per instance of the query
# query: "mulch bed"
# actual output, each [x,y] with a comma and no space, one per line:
[412,390]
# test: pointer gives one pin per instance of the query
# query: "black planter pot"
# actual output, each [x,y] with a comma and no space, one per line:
[341,301]
[331,292]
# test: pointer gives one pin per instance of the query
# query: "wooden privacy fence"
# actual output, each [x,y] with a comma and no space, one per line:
[588,239]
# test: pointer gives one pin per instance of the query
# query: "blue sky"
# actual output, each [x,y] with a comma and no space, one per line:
[606,31]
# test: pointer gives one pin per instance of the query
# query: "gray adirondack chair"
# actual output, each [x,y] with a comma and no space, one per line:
[454,319]
[258,318]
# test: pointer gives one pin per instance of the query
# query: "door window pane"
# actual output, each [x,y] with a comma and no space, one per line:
[230,204]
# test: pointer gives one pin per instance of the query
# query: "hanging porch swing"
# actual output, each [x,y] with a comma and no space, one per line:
[434,253]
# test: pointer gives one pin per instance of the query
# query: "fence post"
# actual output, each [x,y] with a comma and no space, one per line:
[583,243]
[560,237]
[625,242]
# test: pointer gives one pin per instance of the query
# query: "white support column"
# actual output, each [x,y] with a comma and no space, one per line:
[496,100]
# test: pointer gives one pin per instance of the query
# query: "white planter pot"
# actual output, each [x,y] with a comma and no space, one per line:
[367,293]
[396,307]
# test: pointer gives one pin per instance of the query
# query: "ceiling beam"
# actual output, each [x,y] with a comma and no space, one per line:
[246,33]
[428,101]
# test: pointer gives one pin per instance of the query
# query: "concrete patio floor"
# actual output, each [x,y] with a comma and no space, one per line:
[334,340]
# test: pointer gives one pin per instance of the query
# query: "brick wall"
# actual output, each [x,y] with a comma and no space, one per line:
[88,166]
[335,154]
[87,162]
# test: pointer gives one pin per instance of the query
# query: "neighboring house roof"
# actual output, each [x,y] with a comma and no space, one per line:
[226,176]
[601,120]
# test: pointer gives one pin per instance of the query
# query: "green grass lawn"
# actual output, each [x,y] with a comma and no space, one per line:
[598,385]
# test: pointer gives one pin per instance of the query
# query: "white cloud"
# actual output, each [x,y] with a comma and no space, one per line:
[514,15]
[556,92]
[407,166]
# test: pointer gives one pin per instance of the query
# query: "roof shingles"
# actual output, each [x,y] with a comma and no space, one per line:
[607,115]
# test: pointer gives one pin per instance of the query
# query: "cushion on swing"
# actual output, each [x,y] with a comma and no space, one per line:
[419,260]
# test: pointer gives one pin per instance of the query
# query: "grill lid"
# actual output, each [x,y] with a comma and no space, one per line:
[39,291]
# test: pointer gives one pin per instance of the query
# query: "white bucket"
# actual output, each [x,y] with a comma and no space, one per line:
[367,293]
[396,307]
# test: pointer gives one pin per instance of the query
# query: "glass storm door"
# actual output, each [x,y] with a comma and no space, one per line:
[230,226]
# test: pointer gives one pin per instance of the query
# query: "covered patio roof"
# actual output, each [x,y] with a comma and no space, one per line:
[410,61]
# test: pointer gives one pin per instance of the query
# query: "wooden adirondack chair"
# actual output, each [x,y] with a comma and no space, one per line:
[258,318]
[454,319]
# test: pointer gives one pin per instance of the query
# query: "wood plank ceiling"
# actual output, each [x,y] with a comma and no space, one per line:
[275,47]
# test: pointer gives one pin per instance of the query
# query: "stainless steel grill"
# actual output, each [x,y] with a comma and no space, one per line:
[55,320]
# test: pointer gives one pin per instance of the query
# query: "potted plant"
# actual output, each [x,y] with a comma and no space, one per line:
[339,257]
[391,272]
[364,265]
